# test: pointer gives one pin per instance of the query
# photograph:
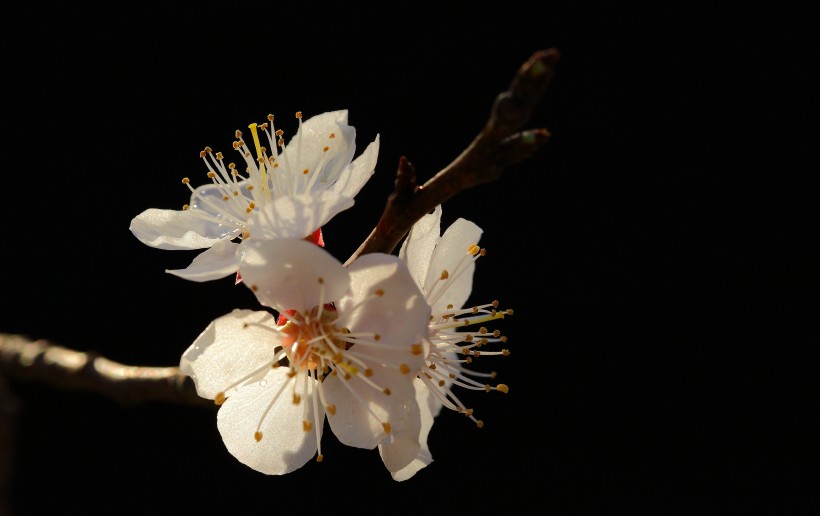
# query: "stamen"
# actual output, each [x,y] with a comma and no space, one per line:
[260,153]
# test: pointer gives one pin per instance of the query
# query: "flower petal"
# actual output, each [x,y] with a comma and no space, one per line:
[306,149]
[291,273]
[296,216]
[451,255]
[175,229]
[362,410]
[284,446]
[386,301]
[429,407]
[417,249]
[230,349]
[355,175]
[220,260]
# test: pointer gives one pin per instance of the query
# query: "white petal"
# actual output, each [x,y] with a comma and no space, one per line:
[292,273]
[429,406]
[221,260]
[296,216]
[306,148]
[417,249]
[209,199]
[172,229]
[359,417]
[230,349]
[285,446]
[355,175]
[451,255]
[400,315]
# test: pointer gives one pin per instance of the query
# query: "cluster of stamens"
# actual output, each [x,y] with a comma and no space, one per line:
[452,350]
[242,194]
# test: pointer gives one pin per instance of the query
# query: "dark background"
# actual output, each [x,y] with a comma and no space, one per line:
[660,252]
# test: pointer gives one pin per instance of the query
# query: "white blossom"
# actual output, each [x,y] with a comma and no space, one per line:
[348,344]
[443,267]
[280,191]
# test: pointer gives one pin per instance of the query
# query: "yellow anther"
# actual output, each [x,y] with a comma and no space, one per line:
[219,156]
[202,154]
[260,153]
[404,368]
[185,207]
[332,135]
[299,115]
[386,427]
[502,387]
[416,349]
[219,399]
[473,249]
[305,171]
[479,423]
[270,118]
[349,368]
[257,436]
[444,274]
[386,390]
[326,149]
[368,372]
[307,426]
[296,398]
[185,180]
[505,352]
[331,409]
[379,292]
[320,458]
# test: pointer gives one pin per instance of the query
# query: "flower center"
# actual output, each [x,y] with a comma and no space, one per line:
[311,337]
[238,195]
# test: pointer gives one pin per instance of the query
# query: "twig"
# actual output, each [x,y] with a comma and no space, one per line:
[38,360]
[497,146]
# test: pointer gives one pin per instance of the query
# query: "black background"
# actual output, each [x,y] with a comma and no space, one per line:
[660,252]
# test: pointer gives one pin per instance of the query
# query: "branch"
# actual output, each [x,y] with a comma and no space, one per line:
[499,145]
[39,360]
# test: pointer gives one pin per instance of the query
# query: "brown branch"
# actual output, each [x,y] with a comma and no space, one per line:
[499,145]
[38,360]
